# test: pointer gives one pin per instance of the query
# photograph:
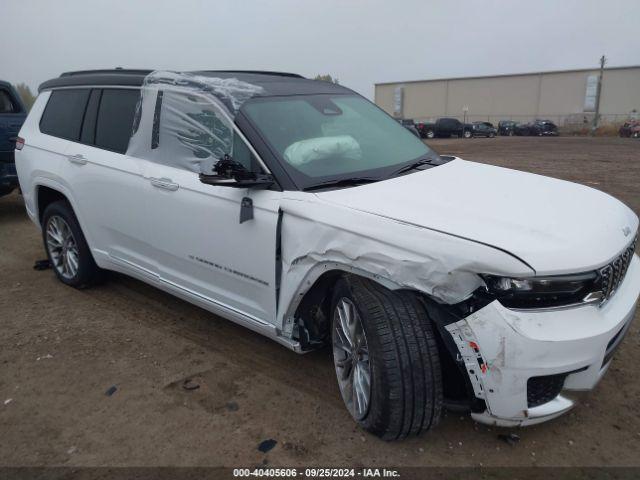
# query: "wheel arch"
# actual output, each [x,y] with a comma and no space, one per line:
[305,318]
[46,195]
[47,191]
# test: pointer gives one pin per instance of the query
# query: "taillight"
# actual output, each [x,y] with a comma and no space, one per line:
[19,143]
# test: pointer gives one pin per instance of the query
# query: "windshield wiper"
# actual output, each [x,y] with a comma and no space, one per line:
[342,182]
[414,165]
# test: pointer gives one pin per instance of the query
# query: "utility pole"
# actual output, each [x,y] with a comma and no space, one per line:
[596,117]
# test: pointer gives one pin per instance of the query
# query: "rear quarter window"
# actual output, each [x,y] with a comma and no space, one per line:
[64,112]
[115,119]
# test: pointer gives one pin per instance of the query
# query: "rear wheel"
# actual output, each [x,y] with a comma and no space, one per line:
[430,134]
[386,359]
[66,247]
[467,134]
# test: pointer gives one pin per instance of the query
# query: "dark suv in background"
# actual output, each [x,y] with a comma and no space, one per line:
[484,129]
[12,115]
[506,127]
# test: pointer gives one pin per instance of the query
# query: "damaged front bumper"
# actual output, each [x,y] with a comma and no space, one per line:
[519,361]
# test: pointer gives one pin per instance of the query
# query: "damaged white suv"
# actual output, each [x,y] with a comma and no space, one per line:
[299,209]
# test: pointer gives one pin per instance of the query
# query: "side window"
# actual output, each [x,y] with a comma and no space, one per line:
[6,103]
[193,134]
[63,114]
[115,119]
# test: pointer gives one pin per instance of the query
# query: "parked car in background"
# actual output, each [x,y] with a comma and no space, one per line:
[522,129]
[630,129]
[544,128]
[538,128]
[409,125]
[12,115]
[506,127]
[444,128]
[483,129]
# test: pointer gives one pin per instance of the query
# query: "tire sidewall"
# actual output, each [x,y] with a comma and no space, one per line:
[377,403]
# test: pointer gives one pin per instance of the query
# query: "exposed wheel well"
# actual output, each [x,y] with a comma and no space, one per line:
[313,322]
[46,196]
[313,315]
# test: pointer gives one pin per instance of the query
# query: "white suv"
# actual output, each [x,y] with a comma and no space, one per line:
[299,209]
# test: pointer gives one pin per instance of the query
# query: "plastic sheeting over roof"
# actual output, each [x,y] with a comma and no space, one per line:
[231,91]
[185,120]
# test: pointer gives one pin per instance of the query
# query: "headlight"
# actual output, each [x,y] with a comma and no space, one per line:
[542,292]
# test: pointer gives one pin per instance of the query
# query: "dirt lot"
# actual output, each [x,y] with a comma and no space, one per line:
[62,349]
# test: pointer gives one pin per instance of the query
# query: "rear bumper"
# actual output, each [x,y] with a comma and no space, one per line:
[503,349]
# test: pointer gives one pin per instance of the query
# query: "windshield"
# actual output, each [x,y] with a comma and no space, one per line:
[320,138]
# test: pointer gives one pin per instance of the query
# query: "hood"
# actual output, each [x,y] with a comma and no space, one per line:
[552,225]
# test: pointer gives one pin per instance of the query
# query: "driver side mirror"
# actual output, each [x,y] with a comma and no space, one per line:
[229,173]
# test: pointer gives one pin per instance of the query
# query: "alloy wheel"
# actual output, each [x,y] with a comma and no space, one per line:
[62,247]
[351,358]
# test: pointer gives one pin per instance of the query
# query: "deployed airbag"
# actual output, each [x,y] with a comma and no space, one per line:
[314,149]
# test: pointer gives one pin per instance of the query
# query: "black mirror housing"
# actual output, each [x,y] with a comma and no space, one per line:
[259,181]
[229,173]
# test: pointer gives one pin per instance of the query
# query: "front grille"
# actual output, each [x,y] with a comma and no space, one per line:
[612,275]
[541,390]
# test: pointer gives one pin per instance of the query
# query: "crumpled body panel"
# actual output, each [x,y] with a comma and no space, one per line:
[317,237]
[502,349]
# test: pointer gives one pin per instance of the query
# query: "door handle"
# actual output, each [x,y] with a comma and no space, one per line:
[165,183]
[77,159]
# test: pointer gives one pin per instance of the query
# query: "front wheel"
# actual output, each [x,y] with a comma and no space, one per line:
[386,359]
[467,134]
[430,134]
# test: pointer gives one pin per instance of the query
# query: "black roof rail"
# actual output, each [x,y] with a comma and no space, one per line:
[123,71]
[254,72]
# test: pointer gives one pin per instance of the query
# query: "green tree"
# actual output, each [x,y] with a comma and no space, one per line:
[25,93]
[326,78]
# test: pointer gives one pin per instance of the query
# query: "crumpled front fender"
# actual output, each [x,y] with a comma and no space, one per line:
[319,236]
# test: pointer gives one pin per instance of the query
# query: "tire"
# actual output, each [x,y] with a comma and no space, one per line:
[405,380]
[491,135]
[430,134]
[511,133]
[66,247]
[467,134]
[636,135]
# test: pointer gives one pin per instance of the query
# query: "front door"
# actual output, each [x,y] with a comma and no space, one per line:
[201,246]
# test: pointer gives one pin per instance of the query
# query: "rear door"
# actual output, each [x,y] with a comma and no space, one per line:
[108,185]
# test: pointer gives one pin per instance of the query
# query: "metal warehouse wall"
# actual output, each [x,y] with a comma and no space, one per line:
[559,96]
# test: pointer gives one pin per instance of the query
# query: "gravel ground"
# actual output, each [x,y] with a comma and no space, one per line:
[61,349]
